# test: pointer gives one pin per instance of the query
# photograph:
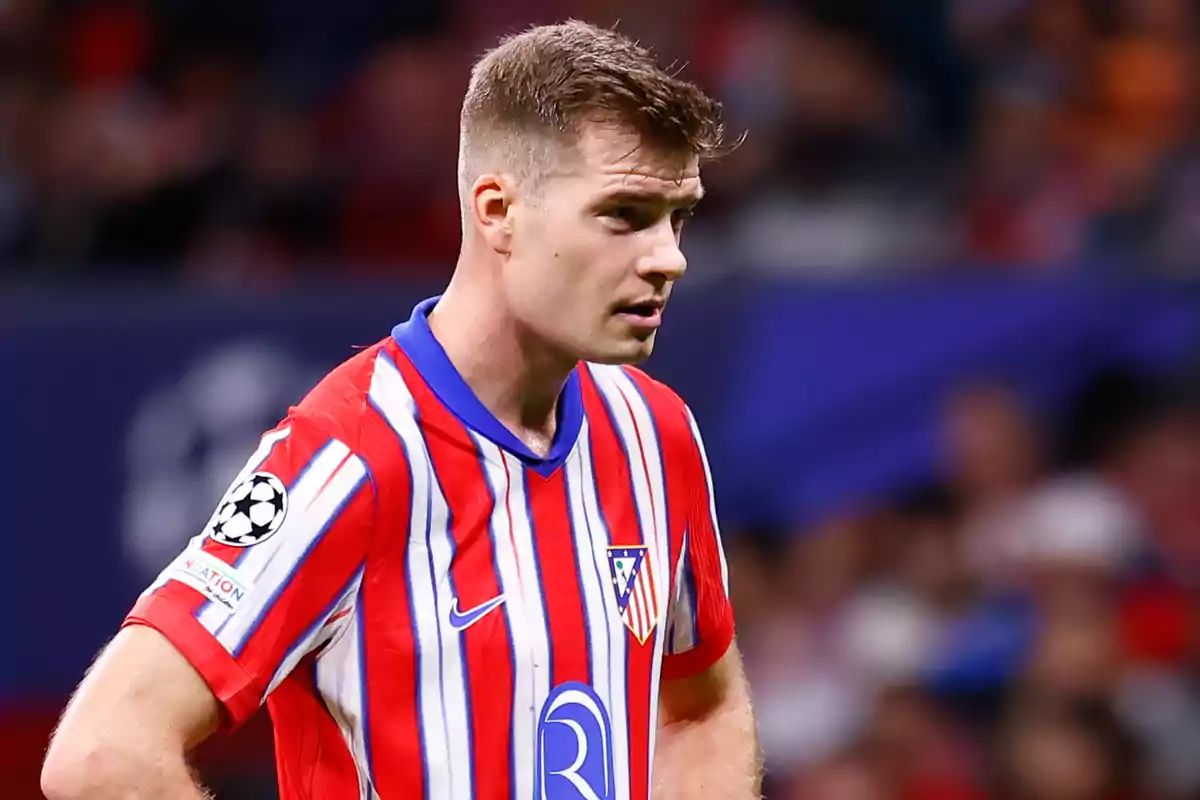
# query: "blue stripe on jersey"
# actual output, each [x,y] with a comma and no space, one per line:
[262,614]
[676,596]
[689,582]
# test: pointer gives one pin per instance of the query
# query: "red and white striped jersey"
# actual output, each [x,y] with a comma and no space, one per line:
[429,610]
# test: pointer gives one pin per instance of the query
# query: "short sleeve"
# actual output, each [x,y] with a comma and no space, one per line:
[274,570]
[700,618]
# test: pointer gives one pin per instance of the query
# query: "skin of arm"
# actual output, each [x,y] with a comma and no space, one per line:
[127,731]
[707,744]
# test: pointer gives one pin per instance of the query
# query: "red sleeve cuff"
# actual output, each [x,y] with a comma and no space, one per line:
[699,658]
[229,682]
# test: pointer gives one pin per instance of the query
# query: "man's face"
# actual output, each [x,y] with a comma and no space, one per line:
[595,252]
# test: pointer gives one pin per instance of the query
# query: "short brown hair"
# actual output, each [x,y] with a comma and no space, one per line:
[547,81]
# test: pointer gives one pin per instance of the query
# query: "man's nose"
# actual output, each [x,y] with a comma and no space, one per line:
[666,261]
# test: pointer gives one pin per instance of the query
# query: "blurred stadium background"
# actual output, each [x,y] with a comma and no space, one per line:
[942,329]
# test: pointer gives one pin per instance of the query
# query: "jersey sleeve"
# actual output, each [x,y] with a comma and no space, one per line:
[699,616]
[274,573]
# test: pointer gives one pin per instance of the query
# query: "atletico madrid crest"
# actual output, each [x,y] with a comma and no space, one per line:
[633,583]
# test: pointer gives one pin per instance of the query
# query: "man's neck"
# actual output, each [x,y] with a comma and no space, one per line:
[515,378]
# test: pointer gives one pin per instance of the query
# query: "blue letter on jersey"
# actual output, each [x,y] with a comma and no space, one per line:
[574,746]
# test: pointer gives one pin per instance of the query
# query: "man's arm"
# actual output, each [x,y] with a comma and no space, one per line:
[127,731]
[223,625]
[707,742]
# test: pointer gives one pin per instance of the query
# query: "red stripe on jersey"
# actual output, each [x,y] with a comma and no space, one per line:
[312,758]
[558,566]
[617,505]
[475,580]
[389,653]
[338,616]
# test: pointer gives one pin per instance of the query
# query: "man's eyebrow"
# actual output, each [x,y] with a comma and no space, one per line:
[627,195]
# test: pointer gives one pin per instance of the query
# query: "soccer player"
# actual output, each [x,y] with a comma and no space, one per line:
[480,560]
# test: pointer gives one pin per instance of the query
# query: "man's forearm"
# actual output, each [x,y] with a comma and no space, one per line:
[714,756]
[103,777]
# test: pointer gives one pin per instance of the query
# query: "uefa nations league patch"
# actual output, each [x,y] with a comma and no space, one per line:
[251,511]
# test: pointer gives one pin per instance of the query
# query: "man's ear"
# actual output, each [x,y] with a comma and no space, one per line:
[491,207]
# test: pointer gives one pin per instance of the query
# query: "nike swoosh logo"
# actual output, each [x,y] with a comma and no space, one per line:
[460,621]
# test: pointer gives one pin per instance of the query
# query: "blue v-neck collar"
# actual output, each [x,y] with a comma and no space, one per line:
[427,355]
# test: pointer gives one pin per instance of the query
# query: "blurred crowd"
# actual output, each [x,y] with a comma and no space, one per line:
[1024,628]
[264,140]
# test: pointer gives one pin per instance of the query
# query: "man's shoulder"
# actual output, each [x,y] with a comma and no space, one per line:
[669,411]
[340,402]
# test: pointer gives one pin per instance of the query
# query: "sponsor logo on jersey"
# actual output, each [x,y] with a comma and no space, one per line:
[574,746]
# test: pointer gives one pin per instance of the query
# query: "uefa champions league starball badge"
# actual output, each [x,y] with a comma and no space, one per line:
[251,511]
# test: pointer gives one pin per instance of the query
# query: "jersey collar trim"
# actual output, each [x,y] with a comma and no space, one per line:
[427,355]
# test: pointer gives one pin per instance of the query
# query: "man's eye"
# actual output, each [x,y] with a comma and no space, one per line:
[631,217]
[681,216]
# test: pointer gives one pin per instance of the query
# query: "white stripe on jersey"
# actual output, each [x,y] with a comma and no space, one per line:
[339,682]
[649,464]
[618,655]
[319,496]
[265,445]
[712,500]
[524,631]
[445,703]
[531,586]
[598,612]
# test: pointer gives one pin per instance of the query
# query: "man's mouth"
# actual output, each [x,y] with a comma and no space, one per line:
[643,313]
[645,309]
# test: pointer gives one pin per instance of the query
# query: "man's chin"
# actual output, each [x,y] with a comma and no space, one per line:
[629,351]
